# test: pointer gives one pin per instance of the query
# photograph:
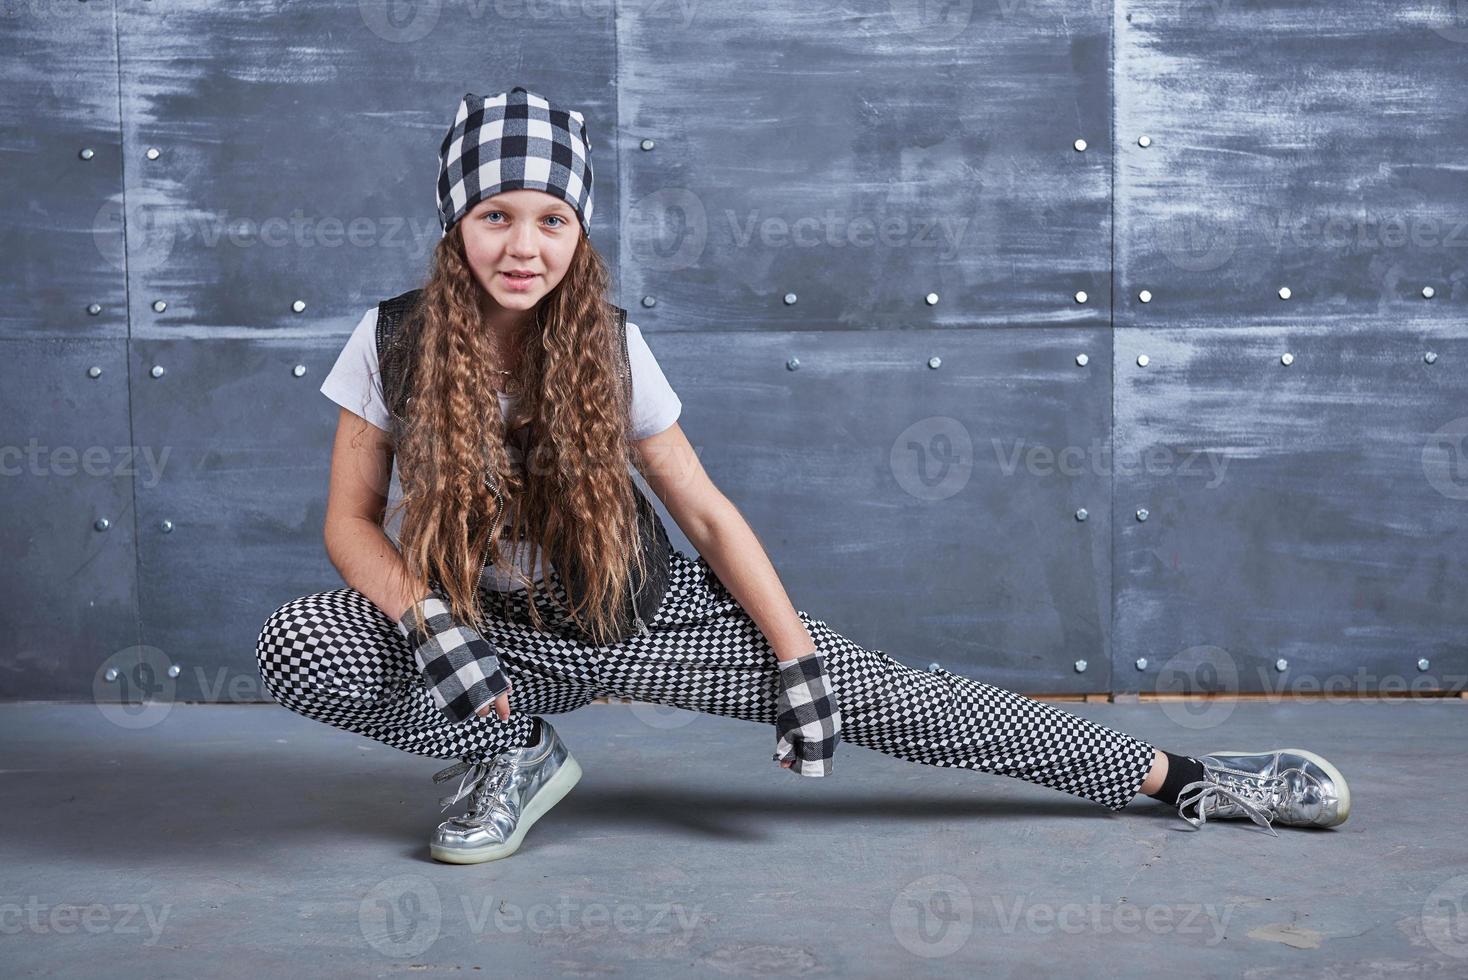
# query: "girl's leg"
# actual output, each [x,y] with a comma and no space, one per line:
[706,654]
[335,657]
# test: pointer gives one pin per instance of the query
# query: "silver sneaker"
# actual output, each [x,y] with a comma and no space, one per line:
[509,793]
[1294,787]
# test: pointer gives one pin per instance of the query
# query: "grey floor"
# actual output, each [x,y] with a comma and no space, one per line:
[246,840]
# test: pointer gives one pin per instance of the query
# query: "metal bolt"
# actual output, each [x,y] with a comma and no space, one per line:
[1281,665]
[1430,357]
[1428,292]
[1423,663]
[1141,663]
[1080,146]
[298,305]
[159,306]
[298,370]
[1142,514]
[87,153]
[1080,666]
[931,299]
[94,371]
[935,362]
[647,144]
[1286,358]
[789,299]
[1144,141]
[649,302]
[94,308]
[101,524]
[157,371]
[173,670]
[1145,296]
[1082,360]
[166,526]
[1143,360]
[1284,292]
[792,364]
[111,674]
[1081,514]
[152,153]
[1081,296]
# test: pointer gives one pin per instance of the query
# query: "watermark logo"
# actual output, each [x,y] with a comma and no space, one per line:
[401,916]
[1445,917]
[933,916]
[933,458]
[1199,670]
[1444,460]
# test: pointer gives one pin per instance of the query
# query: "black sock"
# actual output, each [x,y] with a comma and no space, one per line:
[1181,770]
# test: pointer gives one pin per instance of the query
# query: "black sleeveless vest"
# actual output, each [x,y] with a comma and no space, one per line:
[646,593]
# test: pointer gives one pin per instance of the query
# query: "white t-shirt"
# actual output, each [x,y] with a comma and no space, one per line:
[355,383]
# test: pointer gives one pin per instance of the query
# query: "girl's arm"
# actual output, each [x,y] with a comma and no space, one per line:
[722,536]
[361,466]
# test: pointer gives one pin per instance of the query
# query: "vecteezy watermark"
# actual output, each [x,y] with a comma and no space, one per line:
[93,918]
[669,229]
[403,916]
[1197,242]
[1098,459]
[933,458]
[154,227]
[1099,917]
[1210,677]
[1445,917]
[137,687]
[933,916]
[1445,459]
[34,459]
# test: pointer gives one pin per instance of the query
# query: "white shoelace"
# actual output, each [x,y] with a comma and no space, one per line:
[483,778]
[1256,796]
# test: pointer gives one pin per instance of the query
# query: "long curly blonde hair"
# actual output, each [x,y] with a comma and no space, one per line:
[576,495]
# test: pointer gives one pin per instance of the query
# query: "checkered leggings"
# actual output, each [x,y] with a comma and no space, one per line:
[335,657]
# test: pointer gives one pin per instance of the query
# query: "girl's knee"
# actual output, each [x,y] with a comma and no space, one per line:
[323,641]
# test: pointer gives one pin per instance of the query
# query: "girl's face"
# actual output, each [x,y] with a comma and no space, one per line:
[522,230]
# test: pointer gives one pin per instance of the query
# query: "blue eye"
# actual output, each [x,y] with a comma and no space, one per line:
[556,217]
[488,213]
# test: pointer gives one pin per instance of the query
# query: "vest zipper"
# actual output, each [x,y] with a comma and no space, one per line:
[498,513]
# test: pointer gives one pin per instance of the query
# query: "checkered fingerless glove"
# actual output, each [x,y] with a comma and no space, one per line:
[807,721]
[462,667]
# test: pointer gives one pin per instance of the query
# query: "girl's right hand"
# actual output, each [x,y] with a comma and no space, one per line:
[501,705]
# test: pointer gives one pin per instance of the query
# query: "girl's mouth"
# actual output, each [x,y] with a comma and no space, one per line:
[518,282]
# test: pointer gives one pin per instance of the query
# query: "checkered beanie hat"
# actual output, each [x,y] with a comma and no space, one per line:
[516,139]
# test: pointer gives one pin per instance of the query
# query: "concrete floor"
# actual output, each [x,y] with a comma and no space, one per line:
[244,840]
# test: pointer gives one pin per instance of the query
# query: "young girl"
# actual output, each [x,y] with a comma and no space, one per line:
[531,575]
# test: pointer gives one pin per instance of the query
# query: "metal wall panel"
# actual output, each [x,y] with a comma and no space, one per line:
[70,609]
[928,512]
[67,466]
[1316,146]
[863,156]
[61,238]
[298,153]
[1309,512]
[298,148]
[233,528]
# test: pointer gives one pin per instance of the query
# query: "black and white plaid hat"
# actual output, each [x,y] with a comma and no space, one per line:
[516,139]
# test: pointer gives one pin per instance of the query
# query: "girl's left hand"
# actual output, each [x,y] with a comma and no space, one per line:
[807,720]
